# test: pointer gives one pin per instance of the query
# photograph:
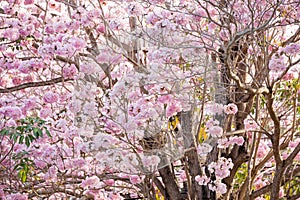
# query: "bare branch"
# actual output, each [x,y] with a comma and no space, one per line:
[34,84]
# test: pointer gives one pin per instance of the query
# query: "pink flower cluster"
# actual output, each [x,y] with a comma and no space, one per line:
[218,186]
[89,68]
[277,63]
[214,108]
[292,49]
[108,57]
[90,182]
[135,179]
[226,142]
[17,196]
[78,43]
[250,125]
[70,71]
[202,180]
[13,112]
[215,131]
[230,109]
[50,97]
[151,161]
[45,112]
[204,149]
[221,168]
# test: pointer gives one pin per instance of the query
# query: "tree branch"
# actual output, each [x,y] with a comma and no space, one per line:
[34,84]
[267,188]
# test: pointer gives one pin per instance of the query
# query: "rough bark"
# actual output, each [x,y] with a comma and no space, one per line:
[191,156]
[171,187]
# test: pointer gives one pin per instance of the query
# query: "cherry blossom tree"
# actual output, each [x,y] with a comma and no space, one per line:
[149,99]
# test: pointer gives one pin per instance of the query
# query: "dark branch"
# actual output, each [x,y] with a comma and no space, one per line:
[34,84]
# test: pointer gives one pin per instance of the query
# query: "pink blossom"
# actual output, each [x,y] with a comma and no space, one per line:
[211,122]
[115,197]
[263,149]
[30,103]
[50,97]
[11,33]
[16,80]
[294,143]
[182,176]
[90,108]
[173,108]
[13,112]
[130,126]
[61,124]
[59,27]
[204,148]
[260,198]
[214,108]
[223,143]
[134,95]
[49,29]
[151,161]
[230,109]
[215,131]
[78,43]
[258,183]
[202,180]
[135,9]
[156,1]
[17,196]
[90,181]
[199,14]
[239,140]
[45,112]
[224,34]
[24,67]
[250,125]
[221,187]
[54,5]
[11,123]
[108,57]
[211,27]
[51,175]
[101,28]
[75,106]
[292,49]
[89,68]
[164,99]
[221,173]
[288,76]
[109,182]
[28,2]
[152,19]
[221,168]
[40,164]
[70,71]
[277,63]
[135,179]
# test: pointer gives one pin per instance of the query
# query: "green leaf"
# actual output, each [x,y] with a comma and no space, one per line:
[36,132]
[20,128]
[27,141]
[4,132]
[20,174]
[23,175]
[31,138]
[15,137]
[47,132]
[21,139]
[40,132]
[11,136]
